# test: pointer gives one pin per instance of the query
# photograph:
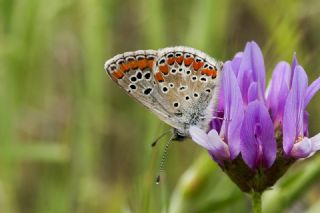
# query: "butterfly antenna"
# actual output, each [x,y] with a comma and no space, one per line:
[154,143]
[163,159]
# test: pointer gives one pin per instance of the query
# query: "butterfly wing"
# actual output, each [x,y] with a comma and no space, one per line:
[178,84]
[133,72]
[188,81]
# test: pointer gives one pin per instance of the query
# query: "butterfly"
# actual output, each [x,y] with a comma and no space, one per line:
[178,84]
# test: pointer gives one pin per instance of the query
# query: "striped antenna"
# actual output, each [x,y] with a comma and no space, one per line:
[164,158]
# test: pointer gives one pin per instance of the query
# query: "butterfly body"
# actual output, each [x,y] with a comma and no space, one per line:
[179,84]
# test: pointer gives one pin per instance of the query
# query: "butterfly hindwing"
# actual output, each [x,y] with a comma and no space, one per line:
[189,81]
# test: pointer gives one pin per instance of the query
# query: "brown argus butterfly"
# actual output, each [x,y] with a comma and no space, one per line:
[178,84]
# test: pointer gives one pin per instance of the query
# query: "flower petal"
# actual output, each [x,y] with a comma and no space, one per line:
[315,143]
[294,64]
[218,148]
[306,116]
[258,144]
[258,66]
[294,110]
[233,111]
[302,149]
[244,79]
[236,61]
[311,91]
[279,89]
[252,69]
[315,140]
[199,136]
[249,146]
[238,55]
[216,122]
[253,92]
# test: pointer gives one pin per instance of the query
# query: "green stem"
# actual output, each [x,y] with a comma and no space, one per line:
[256,202]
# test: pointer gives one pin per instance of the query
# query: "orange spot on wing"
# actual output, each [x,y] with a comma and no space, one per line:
[164,69]
[150,63]
[179,59]
[143,63]
[118,74]
[214,73]
[208,72]
[159,77]
[197,65]
[205,72]
[124,67]
[171,60]
[133,64]
[188,61]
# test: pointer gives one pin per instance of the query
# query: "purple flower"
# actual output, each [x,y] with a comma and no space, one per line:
[258,144]
[295,139]
[261,128]
[229,137]
[278,91]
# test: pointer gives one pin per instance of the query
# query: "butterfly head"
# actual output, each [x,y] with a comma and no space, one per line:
[178,136]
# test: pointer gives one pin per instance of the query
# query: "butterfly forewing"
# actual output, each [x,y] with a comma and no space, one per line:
[179,84]
[133,72]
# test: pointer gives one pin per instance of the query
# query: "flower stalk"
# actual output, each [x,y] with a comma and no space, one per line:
[256,202]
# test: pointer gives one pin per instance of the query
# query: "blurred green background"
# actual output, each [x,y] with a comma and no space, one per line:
[71,141]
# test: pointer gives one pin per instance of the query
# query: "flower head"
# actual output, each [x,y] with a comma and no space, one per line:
[262,129]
